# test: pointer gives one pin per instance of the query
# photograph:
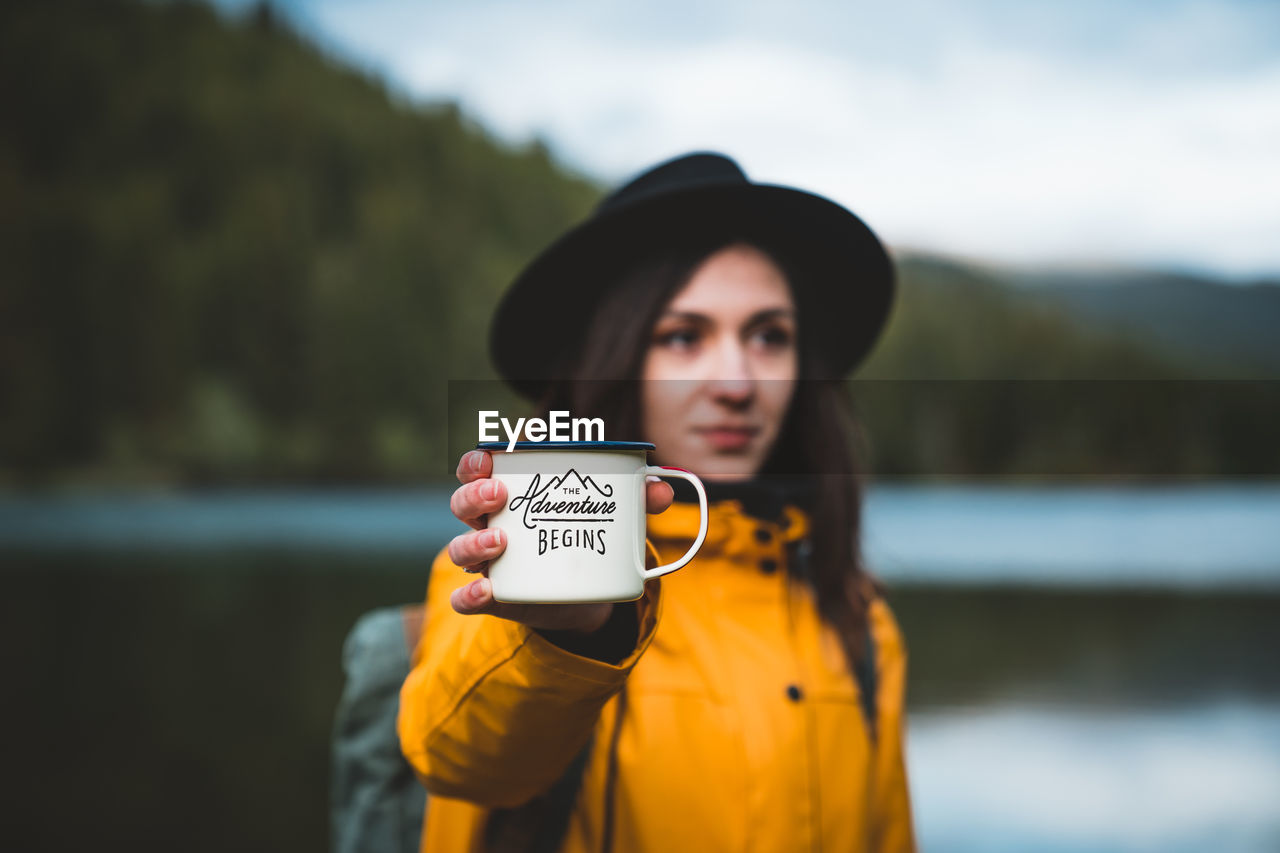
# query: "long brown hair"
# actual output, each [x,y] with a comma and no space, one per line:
[820,442]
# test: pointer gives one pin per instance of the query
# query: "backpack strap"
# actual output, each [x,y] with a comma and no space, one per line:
[865,673]
[411,619]
[540,825]
[868,677]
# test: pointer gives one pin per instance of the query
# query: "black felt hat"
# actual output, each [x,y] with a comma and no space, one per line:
[842,276]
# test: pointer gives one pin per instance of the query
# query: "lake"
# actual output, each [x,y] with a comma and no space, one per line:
[1092,668]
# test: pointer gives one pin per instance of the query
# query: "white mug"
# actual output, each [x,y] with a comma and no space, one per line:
[575,520]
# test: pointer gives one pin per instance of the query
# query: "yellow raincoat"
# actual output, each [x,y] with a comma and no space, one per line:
[742,728]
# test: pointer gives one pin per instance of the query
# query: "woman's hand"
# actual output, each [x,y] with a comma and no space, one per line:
[472,502]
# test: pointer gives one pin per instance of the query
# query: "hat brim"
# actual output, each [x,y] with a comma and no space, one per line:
[841,274]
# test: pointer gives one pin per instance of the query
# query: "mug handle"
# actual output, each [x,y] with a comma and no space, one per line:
[680,473]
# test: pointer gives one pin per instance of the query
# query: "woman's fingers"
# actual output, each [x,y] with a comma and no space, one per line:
[476,549]
[477,597]
[474,465]
[473,598]
[472,502]
[658,495]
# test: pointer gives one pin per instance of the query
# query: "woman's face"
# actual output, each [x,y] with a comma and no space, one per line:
[721,367]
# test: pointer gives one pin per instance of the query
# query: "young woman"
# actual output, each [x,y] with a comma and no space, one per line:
[754,699]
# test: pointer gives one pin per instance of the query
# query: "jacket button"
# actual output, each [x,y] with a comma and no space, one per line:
[793,693]
[763,536]
[768,565]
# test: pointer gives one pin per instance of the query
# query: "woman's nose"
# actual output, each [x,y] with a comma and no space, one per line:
[733,380]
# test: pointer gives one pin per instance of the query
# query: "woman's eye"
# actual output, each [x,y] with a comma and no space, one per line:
[772,337]
[679,339]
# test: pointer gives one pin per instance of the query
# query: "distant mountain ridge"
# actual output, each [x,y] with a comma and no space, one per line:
[1212,326]
[959,319]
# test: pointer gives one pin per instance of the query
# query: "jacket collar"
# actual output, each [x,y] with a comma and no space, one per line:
[764,498]
[736,511]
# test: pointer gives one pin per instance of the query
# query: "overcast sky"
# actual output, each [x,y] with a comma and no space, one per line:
[1128,131]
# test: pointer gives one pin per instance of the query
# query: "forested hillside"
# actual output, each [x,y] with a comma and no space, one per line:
[229,258]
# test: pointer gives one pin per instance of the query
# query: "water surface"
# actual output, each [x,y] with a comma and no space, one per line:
[1091,668]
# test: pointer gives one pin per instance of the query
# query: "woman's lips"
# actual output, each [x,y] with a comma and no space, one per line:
[727,437]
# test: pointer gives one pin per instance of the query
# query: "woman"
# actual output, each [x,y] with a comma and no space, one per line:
[754,699]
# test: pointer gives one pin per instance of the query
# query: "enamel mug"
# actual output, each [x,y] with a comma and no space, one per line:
[575,521]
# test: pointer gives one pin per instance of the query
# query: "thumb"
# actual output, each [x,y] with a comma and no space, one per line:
[658,495]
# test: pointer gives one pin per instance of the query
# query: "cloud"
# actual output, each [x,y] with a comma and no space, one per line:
[980,130]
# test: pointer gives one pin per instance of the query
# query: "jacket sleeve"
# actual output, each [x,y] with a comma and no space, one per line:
[492,712]
[892,830]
